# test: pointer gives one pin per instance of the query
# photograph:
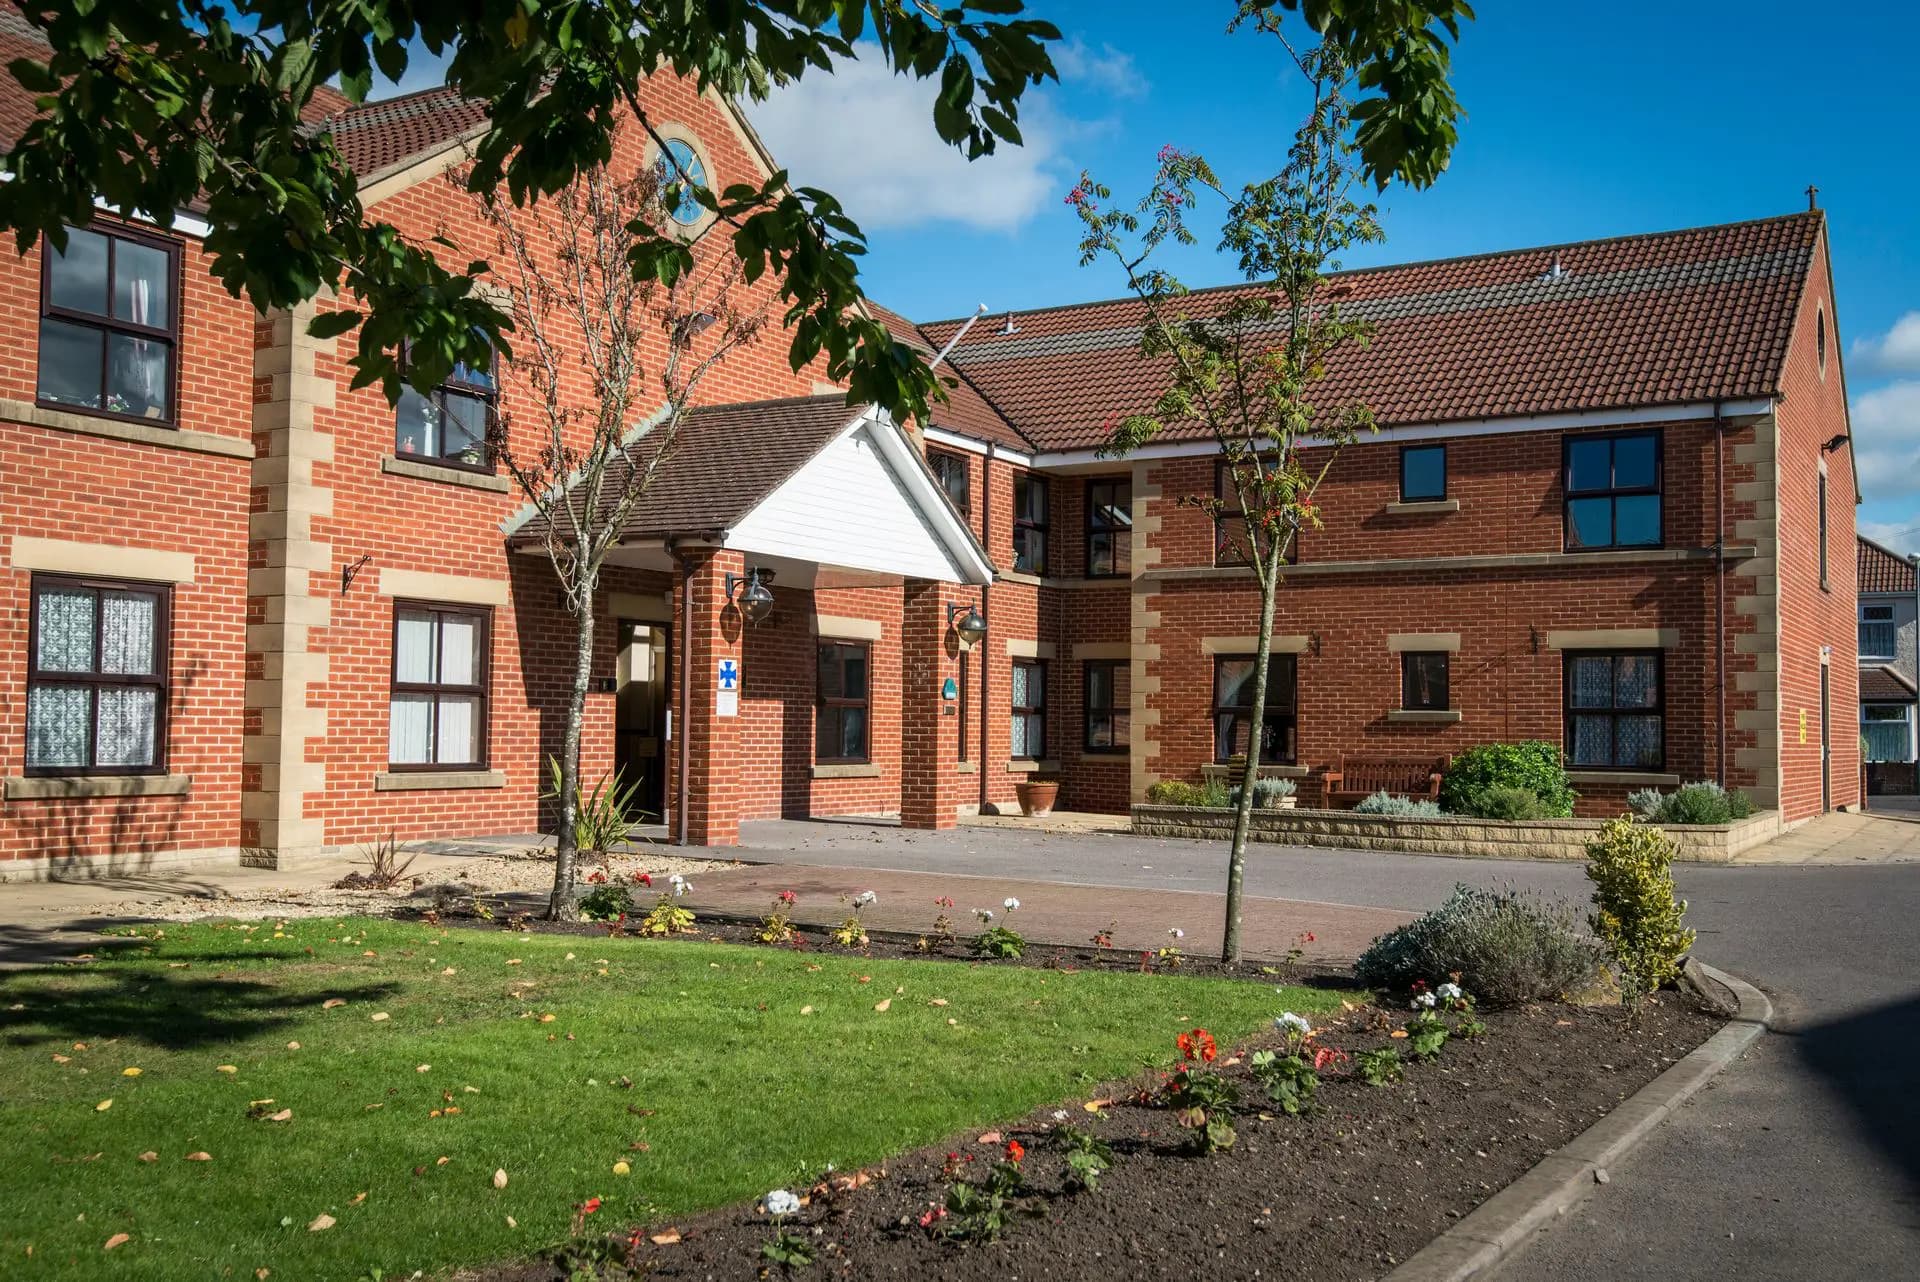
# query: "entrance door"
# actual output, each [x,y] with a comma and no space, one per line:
[1826,738]
[640,711]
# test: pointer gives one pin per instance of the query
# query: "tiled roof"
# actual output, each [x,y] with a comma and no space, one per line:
[967,412]
[1659,319]
[376,136]
[1882,570]
[1884,684]
[727,458]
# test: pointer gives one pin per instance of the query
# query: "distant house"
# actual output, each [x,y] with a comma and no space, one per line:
[1889,712]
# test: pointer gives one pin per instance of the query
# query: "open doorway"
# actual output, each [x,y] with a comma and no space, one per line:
[640,711]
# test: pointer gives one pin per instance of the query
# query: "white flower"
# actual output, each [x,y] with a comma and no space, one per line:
[1177,933]
[1010,903]
[1423,1001]
[781,1202]
[681,887]
[1059,1114]
[864,898]
[1450,992]
[984,914]
[676,879]
[1293,1025]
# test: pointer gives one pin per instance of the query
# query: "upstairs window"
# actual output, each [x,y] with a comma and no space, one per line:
[1878,636]
[1109,528]
[1613,491]
[449,424]
[110,325]
[1030,523]
[1616,714]
[840,722]
[951,471]
[96,677]
[1423,473]
[1825,586]
[437,709]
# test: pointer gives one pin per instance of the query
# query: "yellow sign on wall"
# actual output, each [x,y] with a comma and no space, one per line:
[1803,725]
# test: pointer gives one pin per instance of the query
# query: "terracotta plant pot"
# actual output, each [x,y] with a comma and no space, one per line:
[1037,796]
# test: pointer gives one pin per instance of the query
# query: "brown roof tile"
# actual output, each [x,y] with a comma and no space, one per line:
[1882,570]
[377,136]
[1657,319]
[966,411]
[727,458]
[1882,683]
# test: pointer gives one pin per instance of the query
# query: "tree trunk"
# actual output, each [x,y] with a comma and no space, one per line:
[1230,949]
[560,905]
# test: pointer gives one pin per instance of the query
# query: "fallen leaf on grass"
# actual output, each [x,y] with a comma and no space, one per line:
[547,1018]
[421,1068]
[442,1161]
[225,1068]
[512,1223]
[333,1003]
[1095,1105]
[149,1156]
[293,1046]
[1398,1033]
[129,1072]
[118,1239]
[937,1001]
[103,1106]
[321,1223]
[200,1157]
[806,1010]
[381,1017]
[358,1198]
[500,1178]
[449,971]
[622,1168]
[513,961]
[284,1115]
[62,1059]
[883,1004]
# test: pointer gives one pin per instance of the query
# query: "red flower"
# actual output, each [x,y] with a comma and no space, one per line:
[1308,937]
[1198,1045]
[1327,1055]
[788,897]
[589,1206]
[644,878]
[1015,1151]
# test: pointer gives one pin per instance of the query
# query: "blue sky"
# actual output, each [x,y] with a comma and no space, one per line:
[1583,121]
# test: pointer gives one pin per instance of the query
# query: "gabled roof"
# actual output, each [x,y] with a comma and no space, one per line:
[1883,570]
[967,412]
[1663,319]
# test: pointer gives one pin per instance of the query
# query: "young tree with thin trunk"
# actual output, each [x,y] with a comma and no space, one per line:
[1243,363]
[611,362]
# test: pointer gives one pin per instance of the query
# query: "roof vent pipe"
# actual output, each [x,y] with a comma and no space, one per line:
[1554,274]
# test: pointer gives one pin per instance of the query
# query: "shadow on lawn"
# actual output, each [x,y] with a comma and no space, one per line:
[169,1010]
[1867,1058]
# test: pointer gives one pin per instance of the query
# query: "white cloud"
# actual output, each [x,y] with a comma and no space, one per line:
[1896,535]
[1895,352]
[867,136]
[1886,439]
[1106,69]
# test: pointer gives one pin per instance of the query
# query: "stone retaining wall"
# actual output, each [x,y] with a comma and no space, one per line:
[1446,834]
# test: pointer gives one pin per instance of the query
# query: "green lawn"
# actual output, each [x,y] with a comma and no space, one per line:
[691,1061]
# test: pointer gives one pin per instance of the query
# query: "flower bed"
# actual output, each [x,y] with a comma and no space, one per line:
[1446,834]
[1348,1188]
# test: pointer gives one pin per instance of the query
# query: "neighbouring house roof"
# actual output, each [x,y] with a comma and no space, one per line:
[374,137]
[1663,319]
[1884,684]
[1883,570]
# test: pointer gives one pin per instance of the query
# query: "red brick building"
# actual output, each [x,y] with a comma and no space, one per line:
[248,612]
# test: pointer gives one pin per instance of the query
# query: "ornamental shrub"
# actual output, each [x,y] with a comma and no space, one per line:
[1533,765]
[1635,910]
[1267,793]
[1705,802]
[1385,803]
[1176,792]
[1506,945]
[1510,801]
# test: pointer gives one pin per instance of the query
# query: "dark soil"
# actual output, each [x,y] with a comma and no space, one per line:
[1348,1191]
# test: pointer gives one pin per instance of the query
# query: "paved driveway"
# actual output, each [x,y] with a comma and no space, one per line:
[1801,1162]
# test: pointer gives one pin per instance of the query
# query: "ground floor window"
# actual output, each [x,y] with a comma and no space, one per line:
[96,677]
[1233,708]
[1888,730]
[1615,711]
[1107,703]
[1029,694]
[437,714]
[840,723]
[1423,682]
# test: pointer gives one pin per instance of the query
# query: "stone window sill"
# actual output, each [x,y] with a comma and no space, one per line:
[83,787]
[422,470]
[1120,758]
[1425,507]
[431,780]
[1625,778]
[1027,766]
[967,768]
[1018,576]
[847,770]
[1425,716]
[115,429]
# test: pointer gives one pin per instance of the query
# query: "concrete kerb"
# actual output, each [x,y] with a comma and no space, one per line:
[1510,1217]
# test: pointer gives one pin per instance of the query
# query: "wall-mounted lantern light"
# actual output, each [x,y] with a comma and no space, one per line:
[756,602]
[971,627]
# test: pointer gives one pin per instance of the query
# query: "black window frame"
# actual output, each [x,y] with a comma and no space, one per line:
[942,463]
[1227,507]
[1117,715]
[1615,712]
[1613,493]
[1027,527]
[1119,535]
[480,689]
[1035,713]
[483,386]
[1423,447]
[1410,661]
[109,324]
[1288,716]
[831,709]
[95,680]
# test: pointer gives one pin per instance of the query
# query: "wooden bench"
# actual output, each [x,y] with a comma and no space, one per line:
[1354,776]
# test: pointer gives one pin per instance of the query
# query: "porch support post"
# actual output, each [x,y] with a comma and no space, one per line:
[930,780]
[715,635]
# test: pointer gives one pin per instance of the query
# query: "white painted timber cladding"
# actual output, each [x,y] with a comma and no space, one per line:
[848,508]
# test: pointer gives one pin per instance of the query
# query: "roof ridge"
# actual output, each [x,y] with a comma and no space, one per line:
[768,402]
[1878,546]
[1411,264]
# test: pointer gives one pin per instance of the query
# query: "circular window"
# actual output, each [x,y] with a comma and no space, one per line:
[689,171]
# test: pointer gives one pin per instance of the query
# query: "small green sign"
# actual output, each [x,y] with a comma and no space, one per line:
[951,690]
